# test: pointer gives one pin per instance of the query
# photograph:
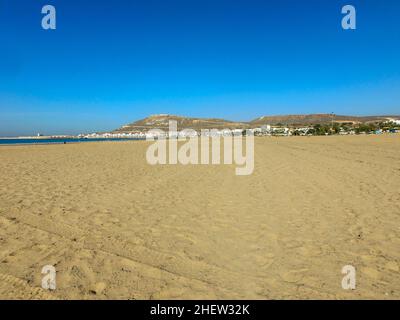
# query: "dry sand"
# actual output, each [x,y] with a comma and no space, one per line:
[115,227]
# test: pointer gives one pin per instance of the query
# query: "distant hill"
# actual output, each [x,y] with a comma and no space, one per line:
[310,119]
[161,121]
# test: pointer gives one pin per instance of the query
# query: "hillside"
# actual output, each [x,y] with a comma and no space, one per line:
[161,121]
[310,119]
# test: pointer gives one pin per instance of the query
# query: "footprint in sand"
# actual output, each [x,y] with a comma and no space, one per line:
[392,266]
[263,260]
[98,288]
[371,272]
[294,276]
[310,251]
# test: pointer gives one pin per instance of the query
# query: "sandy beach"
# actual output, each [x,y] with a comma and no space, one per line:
[116,227]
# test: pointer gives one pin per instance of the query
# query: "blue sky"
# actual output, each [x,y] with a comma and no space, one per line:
[109,63]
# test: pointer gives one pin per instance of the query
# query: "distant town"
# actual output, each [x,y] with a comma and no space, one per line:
[327,125]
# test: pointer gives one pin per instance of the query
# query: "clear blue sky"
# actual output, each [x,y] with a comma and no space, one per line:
[109,63]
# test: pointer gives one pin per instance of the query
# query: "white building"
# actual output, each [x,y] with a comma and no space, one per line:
[395,121]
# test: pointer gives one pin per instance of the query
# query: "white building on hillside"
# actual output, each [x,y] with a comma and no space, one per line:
[395,121]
